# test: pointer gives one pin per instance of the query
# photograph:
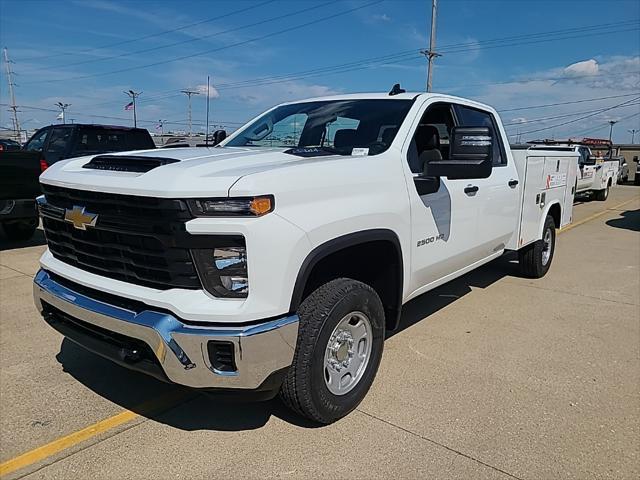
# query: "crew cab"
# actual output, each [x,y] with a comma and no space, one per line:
[277,260]
[58,142]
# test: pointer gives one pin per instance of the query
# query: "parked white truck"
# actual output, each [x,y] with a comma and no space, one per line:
[276,261]
[595,176]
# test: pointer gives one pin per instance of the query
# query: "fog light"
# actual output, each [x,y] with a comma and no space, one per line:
[223,270]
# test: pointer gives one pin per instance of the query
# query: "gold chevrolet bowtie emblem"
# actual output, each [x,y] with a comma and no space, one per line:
[80,218]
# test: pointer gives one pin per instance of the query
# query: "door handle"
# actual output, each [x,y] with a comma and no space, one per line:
[513,183]
[471,189]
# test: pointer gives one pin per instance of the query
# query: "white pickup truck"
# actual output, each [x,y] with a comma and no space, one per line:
[277,260]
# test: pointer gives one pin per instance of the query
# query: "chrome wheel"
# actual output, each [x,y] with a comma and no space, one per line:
[547,245]
[347,354]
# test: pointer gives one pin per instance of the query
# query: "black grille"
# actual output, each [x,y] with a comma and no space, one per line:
[139,240]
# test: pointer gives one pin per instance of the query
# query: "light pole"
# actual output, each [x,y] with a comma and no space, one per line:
[133,95]
[633,132]
[63,107]
[611,124]
[431,53]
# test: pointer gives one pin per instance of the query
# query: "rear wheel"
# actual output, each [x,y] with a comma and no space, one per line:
[340,343]
[602,195]
[20,230]
[535,259]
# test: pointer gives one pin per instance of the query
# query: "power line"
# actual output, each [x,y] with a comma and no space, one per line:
[584,100]
[203,37]
[152,35]
[579,119]
[555,117]
[606,124]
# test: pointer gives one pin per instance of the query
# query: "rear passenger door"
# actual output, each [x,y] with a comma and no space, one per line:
[496,196]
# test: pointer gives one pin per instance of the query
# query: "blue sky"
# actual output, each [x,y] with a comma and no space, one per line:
[86,52]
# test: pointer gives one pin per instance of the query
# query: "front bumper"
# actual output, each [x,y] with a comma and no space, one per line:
[177,352]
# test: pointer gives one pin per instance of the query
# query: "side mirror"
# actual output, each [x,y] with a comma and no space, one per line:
[471,155]
[218,136]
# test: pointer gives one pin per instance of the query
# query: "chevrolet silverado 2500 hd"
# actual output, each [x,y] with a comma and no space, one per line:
[276,261]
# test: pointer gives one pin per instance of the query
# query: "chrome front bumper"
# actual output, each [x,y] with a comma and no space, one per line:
[181,349]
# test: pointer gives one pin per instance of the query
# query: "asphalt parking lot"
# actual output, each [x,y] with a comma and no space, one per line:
[491,376]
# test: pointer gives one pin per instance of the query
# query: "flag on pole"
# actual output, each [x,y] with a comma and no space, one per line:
[129,106]
[60,116]
[158,126]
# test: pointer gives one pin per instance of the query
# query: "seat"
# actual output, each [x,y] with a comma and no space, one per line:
[424,148]
[344,138]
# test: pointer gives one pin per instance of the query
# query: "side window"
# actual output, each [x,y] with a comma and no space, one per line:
[470,117]
[37,141]
[431,138]
[58,141]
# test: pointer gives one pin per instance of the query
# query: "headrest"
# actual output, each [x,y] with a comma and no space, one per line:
[387,136]
[344,138]
[427,138]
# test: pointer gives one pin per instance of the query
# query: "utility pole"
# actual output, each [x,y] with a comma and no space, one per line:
[133,95]
[431,54]
[189,93]
[13,106]
[63,107]
[611,124]
[633,132]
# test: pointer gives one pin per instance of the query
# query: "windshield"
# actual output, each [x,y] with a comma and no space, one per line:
[343,127]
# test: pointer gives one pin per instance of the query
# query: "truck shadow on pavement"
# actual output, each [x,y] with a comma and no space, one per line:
[201,411]
[630,221]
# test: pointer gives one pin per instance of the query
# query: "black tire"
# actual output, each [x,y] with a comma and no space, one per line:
[602,195]
[531,257]
[304,389]
[20,230]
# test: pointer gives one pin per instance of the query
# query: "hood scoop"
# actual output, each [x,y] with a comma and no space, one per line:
[127,163]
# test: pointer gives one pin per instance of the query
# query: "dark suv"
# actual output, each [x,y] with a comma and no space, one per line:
[57,142]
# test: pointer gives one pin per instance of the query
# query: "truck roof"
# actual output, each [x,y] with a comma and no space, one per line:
[387,96]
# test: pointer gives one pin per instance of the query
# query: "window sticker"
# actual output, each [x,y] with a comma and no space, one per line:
[360,152]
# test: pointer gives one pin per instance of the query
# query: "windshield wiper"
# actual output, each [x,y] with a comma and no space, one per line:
[314,151]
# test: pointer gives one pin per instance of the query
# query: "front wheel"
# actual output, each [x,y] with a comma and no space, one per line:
[339,348]
[535,259]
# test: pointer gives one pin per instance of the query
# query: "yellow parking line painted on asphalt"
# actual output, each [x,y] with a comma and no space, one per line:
[148,408]
[595,215]
[151,407]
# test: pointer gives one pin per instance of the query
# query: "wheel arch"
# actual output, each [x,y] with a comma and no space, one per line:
[555,210]
[350,255]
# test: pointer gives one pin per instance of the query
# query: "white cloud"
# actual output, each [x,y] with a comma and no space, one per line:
[519,120]
[595,78]
[202,89]
[588,67]
[380,17]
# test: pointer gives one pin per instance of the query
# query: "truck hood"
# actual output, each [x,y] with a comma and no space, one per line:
[199,172]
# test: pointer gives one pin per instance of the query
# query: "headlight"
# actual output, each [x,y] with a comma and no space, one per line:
[223,270]
[232,207]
